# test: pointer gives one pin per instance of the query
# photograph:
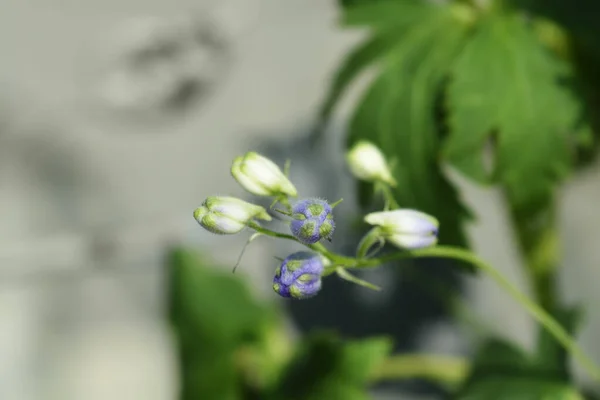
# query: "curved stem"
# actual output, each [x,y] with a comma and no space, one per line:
[440,369]
[318,247]
[538,313]
[388,196]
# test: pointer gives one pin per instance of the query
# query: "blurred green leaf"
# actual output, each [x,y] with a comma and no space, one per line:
[503,372]
[383,14]
[325,367]
[579,17]
[215,304]
[218,324]
[517,388]
[350,3]
[405,15]
[506,83]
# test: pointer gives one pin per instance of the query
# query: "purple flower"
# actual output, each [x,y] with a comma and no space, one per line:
[299,275]
[312,220]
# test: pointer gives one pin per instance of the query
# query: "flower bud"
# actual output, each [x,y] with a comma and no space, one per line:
[261,176]
[367,163]
[312,220]
[227,215]
[299,275]
[404,228]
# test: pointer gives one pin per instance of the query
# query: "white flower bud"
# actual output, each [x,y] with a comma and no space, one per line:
[261,176]
[368,163]
[404,228]
[228,215]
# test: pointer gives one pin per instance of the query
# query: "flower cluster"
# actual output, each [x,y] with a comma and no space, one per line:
[311,220]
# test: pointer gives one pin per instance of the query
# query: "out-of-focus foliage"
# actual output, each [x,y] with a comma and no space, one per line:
[503,372]
[231,346]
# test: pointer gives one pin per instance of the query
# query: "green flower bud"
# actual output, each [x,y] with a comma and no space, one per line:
[228,215]
[261,176]
[368,163]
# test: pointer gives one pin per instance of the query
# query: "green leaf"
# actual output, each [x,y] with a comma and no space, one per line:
[374,47]
[503,372]
[386,13]
[353,3]
[505,83]
[579,17]
[326,367]
[215,304]
[516,388]
[217,325]
[398,114]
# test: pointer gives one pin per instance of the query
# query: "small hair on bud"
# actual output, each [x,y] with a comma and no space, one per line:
[250,239]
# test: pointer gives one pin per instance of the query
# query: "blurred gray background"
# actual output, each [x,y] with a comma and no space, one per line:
[118,117]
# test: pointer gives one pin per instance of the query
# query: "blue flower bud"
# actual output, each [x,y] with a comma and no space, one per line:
[299,275]
[312,220]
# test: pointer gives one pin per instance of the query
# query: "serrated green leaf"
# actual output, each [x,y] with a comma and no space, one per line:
[505,82]
[357,60]
[326,367]
[397,114]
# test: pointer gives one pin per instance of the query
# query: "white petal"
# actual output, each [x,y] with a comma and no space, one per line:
[233,208]
[412,241]
[247,182]
[262,170]
[404,221]
[222,224]
[366,162]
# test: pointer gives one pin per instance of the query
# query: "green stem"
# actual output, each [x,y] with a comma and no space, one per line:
[388,196]
[318,247]
[539,245]
[448,370]
[344,274]
[538,313]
